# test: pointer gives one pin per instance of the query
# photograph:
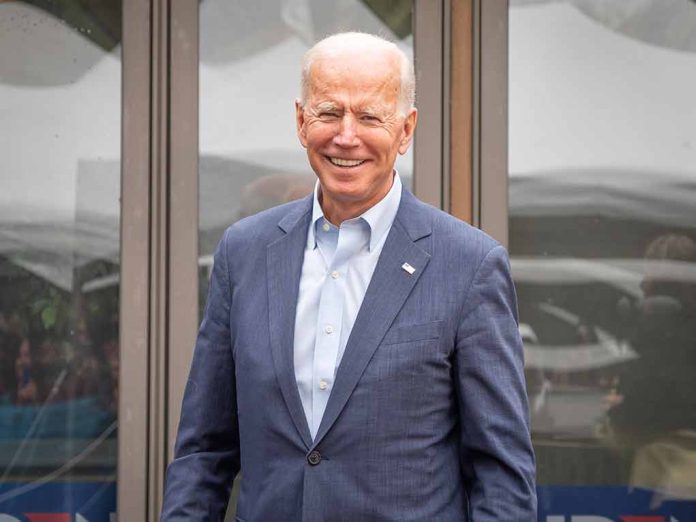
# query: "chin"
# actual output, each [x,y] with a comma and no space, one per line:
[341,192]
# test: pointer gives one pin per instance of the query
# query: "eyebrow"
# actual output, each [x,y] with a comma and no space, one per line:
[380,113]
[371,111]
[326,107]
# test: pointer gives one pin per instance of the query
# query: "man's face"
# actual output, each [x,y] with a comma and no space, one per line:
[352,128]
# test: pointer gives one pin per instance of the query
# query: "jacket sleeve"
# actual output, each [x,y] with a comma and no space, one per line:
[496,451]
[206,455]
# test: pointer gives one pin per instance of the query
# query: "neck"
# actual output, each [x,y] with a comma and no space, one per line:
[337,211]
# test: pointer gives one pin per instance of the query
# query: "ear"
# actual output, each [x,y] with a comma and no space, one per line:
[300,123]
[409,126]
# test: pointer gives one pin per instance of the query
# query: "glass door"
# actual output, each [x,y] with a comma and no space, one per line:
[602,227]
[250,158]
[60,105]
[250,53]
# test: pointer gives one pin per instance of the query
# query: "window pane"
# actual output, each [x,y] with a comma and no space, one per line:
[60,81]
[603,247]
[250,52]
[250,157]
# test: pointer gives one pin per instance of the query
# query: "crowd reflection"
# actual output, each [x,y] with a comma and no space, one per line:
[56,386]
[610,353]
[653,409]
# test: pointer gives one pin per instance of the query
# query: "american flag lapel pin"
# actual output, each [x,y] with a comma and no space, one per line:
[408,268]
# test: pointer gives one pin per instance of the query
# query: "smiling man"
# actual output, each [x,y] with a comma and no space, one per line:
[359,357]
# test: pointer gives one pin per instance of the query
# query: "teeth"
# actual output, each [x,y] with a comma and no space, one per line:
[345,163]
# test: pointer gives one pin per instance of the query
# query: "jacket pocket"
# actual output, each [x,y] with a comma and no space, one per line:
[413,332]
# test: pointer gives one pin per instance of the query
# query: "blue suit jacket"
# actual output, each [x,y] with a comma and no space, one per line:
[428,416]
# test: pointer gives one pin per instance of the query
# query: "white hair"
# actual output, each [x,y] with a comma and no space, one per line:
[356,40]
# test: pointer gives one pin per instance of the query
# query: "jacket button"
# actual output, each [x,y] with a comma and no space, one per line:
[314,457]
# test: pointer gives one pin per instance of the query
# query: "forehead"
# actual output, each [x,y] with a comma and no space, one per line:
[372,77]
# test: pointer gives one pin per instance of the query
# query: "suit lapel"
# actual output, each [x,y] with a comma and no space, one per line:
[284,259]
[388,290]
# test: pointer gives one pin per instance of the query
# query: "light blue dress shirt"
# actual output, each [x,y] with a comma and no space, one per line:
[337,268]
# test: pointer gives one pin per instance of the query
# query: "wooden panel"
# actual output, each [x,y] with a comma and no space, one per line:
[461,110]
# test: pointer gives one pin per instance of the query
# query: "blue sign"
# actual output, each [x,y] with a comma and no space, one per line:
[610,504]
[58,502]
[96,502]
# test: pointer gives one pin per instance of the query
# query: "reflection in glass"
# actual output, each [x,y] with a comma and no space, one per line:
[603,246]
[60,76]
[250,157]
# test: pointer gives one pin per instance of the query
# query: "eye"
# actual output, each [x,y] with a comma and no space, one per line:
[327,115]
[369,118]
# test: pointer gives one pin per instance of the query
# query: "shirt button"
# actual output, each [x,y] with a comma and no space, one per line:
[326,227]
[334,274]
[328,329]
[323,385]
[314,457]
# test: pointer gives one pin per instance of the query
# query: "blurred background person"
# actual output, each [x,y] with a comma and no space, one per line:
[654,407]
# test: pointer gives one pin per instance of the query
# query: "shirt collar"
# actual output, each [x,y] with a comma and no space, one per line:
[379,217]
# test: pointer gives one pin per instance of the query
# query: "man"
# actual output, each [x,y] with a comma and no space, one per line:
[359,358]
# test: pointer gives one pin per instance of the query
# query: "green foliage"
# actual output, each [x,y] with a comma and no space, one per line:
[98,20]
[395,14]
[52,311]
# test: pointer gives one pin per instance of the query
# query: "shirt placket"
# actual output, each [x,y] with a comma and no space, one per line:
[330,319]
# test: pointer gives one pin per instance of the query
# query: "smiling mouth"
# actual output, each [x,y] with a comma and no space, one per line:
[345,162]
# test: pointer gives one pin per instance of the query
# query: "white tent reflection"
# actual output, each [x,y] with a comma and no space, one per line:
[59,207]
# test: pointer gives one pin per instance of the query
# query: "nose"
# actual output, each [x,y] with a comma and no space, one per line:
[347,135]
